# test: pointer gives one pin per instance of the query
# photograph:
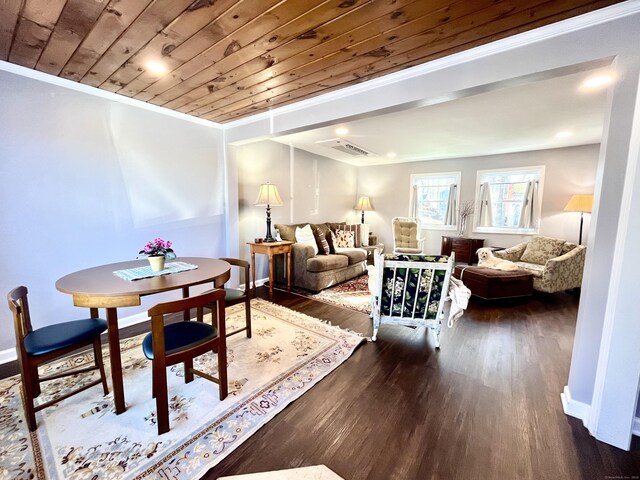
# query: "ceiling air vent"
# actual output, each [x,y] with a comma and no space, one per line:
[344,146]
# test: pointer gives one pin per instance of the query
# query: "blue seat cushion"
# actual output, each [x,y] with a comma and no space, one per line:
[61,335]
[179,336]
[232,294]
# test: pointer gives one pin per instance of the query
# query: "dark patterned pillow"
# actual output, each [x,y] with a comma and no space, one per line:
[321,240]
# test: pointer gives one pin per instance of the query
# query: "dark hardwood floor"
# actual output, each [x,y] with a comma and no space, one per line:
[486,406]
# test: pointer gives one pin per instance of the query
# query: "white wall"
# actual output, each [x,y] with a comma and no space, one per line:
[567,171]
[314,189]
[85,181]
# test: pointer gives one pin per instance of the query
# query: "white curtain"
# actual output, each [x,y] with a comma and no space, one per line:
[485,216]
[529,206]
[413,208]
[452,205]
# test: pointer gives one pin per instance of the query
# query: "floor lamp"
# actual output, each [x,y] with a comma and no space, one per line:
[268,196]
[582,204]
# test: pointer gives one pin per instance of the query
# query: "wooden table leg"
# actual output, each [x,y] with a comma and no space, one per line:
[186,315]
[288,255]
[253,268]
[270,274]
[116,361]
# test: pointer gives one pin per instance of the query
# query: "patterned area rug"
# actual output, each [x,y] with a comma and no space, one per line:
[353,294]
[82,438]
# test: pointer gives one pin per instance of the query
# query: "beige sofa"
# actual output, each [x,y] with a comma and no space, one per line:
[556,265]
[317,272]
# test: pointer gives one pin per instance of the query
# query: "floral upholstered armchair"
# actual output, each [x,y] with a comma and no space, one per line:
[556,265]
[410,290]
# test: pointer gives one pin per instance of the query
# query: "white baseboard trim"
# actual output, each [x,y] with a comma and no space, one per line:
[573,408]
[9,355]
[261,282]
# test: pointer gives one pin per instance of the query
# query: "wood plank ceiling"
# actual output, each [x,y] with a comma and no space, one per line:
[227,59]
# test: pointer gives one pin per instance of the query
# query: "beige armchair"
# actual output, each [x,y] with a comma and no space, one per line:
[558,273]
[406,235]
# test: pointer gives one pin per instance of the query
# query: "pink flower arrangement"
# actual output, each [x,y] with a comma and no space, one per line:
[158,247]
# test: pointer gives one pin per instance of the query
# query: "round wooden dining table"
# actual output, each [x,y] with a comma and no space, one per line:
[98,287]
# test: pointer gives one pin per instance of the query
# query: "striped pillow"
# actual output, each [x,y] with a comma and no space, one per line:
[321,240]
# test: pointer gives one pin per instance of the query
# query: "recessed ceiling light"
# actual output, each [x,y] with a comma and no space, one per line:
[342,130]
[564,134]
[156,67]
[597,81]
[391,155]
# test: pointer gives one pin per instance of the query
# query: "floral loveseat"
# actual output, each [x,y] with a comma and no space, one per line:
[556,265]
[317,271]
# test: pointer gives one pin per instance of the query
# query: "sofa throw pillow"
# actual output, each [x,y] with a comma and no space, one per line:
[541,249]
[357,235]
[321,240]
[344,239]
[305,235]
[331,238]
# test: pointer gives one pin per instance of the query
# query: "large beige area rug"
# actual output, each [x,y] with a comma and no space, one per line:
[82,438]
[353,294]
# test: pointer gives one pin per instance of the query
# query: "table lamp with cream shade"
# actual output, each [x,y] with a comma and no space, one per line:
[582,204]
[268,196]
[364,205]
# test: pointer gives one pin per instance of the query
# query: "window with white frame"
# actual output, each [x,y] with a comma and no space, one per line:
[434,199]
[508,200]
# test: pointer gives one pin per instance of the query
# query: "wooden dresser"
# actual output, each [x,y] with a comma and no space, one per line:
[464,248]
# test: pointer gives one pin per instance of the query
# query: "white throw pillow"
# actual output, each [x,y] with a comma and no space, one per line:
[305,235]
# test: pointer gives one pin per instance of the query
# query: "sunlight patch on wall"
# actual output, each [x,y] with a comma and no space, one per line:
[162,185]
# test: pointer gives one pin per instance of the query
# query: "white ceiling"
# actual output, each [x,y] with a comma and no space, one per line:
[514,119]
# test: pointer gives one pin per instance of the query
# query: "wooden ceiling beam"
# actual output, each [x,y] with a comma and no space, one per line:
[202,26]
[9,15]
[334,35]
[115,19]
[155,17]
[366,38]
[76,20]
[213,62]
[489,31]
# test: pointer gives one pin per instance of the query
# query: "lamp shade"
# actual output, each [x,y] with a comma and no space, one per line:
[364,205]
[580,203]
[268,196]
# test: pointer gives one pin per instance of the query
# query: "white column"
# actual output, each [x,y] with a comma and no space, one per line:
[618,375]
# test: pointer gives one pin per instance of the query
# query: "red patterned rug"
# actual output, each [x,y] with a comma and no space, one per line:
[353,294]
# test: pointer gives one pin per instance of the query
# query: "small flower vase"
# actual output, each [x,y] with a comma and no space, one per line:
[461,227]
[157,262]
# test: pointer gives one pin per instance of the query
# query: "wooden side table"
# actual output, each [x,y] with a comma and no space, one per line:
[270,249]
[465,248]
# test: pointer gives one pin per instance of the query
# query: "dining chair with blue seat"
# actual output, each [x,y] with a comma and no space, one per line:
[42,345]
[181,342]
[234,296]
